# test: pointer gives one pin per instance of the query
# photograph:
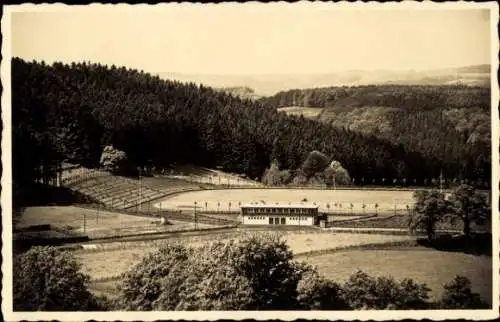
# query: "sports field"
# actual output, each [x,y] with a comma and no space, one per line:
[421,264]
[327,200]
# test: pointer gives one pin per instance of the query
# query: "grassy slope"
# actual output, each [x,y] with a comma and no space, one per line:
[97,223]
[424,265]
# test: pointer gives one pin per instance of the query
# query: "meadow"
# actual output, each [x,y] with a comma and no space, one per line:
[421,264]
[106,262]
[328,200]
[336,255]
[307,112]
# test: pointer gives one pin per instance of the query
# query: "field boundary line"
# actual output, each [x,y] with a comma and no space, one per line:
[146,237]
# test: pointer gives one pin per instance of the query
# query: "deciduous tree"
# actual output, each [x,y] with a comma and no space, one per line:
[469,206]
[430,208]
[46,279]
[254,272]
[114,160]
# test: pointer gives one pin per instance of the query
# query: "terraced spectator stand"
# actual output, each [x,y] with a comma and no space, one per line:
[120,192]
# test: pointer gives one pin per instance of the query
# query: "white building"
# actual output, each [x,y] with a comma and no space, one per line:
[291,215]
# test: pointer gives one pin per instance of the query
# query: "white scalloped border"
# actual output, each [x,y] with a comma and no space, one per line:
[6,194]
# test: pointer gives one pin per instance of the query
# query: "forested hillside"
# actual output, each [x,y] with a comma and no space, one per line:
[407,97]
[450,123]
[70,112]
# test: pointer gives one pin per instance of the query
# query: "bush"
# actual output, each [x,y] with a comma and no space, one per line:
[46,279]
[255,272]
[369,293]
[318,293]
[141,285]
[458,295]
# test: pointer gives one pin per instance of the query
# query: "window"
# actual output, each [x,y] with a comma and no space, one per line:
[270,221]
[283,221]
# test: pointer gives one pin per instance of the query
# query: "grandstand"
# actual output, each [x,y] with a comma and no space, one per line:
[117,191]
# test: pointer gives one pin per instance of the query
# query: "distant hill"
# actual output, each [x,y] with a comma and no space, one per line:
[264,85]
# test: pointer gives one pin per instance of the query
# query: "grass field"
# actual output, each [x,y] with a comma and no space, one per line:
[307,112]
[325,250]
[109,261]
[387,201]
[424,265]
[97,223]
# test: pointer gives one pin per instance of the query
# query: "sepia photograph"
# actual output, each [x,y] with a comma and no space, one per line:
[250,161]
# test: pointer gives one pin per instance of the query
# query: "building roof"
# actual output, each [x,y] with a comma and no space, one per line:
[283,205]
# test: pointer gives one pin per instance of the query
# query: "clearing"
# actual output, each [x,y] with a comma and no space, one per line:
[307,112]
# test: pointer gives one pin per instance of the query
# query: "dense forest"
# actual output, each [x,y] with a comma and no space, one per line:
[70,112]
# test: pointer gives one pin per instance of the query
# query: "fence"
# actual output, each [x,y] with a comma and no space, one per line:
[171,214]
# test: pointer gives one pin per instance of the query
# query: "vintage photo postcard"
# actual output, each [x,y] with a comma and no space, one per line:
[333,161]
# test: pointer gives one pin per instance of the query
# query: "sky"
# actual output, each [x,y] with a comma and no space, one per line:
[254,38]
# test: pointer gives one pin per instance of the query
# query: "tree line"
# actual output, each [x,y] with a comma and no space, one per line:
[251,273]
[70,112]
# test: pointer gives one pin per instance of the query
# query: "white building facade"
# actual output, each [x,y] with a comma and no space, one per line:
[285,215]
